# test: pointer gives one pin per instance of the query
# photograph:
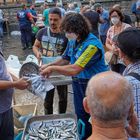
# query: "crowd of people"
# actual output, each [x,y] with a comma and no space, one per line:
[106,94]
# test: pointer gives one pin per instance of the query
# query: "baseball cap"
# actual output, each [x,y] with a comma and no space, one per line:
[129,43]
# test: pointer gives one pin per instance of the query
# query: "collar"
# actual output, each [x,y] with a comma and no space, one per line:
[132,67]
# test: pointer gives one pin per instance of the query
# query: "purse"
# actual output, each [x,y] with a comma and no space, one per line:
[111,58]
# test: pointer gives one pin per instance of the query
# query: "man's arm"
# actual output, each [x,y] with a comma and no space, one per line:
[77,67]
[6,84]
[68,70]
[36,47]
[19,84]
[29,16]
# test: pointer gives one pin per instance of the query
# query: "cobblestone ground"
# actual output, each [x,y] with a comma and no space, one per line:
[12,46]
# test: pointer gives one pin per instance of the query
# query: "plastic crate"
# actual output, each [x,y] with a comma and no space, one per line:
[22,110]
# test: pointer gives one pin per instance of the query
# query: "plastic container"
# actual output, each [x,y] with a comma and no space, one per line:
[48,121]
[46,60]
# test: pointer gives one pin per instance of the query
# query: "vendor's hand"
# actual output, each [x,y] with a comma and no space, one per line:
[21,84]
[44,66]
[46,72]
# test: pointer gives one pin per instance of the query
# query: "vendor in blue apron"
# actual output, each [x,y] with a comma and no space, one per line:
[82,59]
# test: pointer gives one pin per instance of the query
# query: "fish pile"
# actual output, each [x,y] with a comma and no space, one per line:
[53,130]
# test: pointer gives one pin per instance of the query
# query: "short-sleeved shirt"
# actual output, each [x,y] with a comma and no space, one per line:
[46,16]
[62,11]
[24,18]
[5,95]
[103,28]
[34,13]
[134,8]
[138,4]
[111,32]
[52,44]
[134,68]
[88,54]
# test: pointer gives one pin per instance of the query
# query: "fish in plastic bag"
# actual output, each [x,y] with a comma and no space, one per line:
[39,85]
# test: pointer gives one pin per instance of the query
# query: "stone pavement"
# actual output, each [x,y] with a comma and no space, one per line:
[12,46]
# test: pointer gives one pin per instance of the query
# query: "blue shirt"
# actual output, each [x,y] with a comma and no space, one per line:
[33,12]
[88,54]
[46,16]
[24,22]
[134,8]
[5,95]
[103,28]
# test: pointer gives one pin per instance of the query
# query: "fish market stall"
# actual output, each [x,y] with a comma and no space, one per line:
[51,127]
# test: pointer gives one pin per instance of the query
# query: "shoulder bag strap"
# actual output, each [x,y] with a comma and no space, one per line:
[135,75]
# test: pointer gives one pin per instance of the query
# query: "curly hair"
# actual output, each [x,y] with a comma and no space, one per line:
[76,23]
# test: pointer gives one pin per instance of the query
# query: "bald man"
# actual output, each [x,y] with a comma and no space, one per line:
[109,101]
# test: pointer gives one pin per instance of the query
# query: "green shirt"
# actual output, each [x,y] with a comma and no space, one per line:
[46,16]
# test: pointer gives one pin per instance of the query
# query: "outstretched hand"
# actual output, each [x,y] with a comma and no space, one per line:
[22,83]
[46,70]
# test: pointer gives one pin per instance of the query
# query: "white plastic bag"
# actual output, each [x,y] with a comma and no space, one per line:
[31,58]
[15,33]
[13,62]
[39,85]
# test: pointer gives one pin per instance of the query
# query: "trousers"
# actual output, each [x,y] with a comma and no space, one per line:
[26,36]
[7,125]
[62,94]
[79,89]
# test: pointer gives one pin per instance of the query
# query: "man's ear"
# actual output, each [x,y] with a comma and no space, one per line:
[85,104]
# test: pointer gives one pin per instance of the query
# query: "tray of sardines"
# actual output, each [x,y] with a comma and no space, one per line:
[51,127]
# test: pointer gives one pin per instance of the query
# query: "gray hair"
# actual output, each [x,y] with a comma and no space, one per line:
[116,111]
